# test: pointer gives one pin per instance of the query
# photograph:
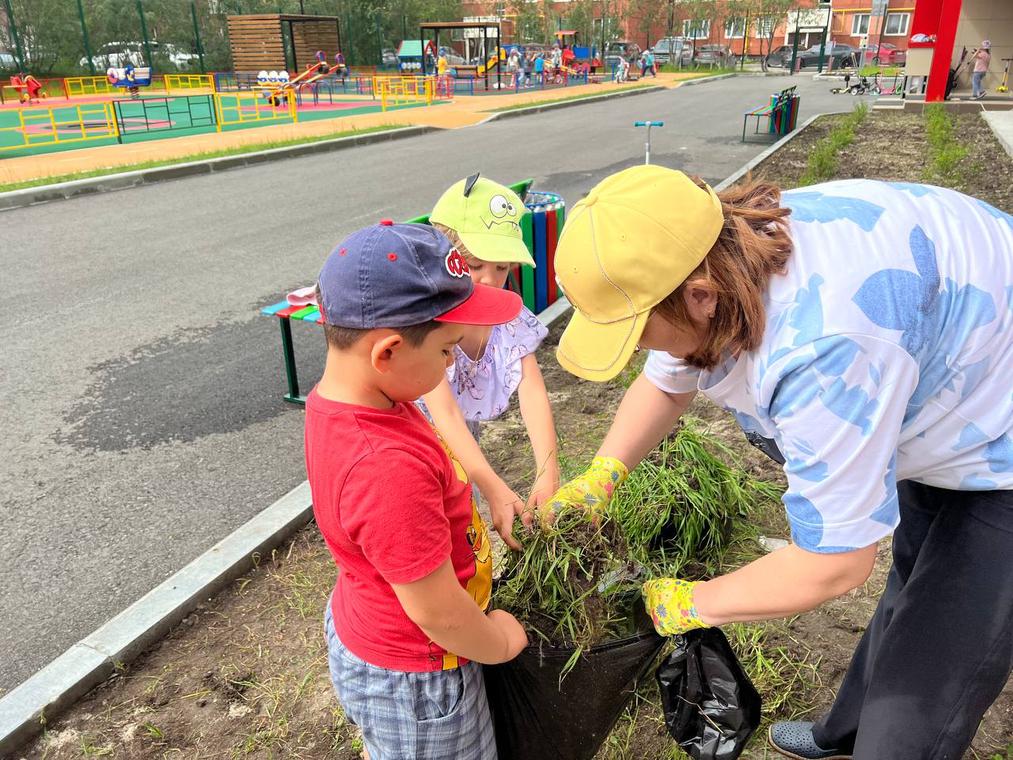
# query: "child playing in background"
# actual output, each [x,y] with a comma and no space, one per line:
[406,624]
[482,220]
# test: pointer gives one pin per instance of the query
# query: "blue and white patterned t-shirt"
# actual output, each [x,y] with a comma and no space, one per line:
[888,355]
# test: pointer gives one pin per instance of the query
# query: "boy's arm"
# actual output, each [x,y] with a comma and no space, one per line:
[449,420]
[440,606]
[537,414]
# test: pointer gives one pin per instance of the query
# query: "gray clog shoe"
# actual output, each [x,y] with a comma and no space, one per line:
[795,739]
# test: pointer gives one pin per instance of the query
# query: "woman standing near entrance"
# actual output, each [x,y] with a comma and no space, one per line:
[866,330]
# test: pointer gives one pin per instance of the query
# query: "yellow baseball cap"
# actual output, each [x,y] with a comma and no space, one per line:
[486,216]
[626,247]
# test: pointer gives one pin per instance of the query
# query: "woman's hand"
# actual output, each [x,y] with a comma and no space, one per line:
[591,490]
[670,603]
[504,505]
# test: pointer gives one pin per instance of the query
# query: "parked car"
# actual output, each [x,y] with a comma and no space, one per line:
[716,55]
[836,54]
[7,60]
[615,50]
[388,57]
[669,50]
[885,53]
[779,57]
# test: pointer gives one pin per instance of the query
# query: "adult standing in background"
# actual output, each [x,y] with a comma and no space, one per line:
[982,58]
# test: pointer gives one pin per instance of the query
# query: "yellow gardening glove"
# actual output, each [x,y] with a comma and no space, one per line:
[590,491]
[670,603]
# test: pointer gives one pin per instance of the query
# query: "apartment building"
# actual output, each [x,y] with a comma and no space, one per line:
[852,22]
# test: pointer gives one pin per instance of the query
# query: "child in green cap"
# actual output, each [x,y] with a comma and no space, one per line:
[481,218]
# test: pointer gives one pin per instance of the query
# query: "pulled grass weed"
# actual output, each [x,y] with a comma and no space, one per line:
[576,584]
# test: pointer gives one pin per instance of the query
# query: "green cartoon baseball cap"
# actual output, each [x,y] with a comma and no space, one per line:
[486,216]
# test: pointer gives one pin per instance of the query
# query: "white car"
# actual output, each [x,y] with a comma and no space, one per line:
[6,60]
[119,54]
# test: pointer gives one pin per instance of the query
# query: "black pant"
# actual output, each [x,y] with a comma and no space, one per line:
[939,649]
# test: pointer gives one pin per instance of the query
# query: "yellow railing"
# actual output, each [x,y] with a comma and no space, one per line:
[75,86]
[186,82]
[66,124]
[253,107]
[400,90]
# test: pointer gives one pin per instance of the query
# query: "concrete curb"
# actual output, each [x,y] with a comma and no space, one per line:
[124,180]
[535,108]
[705,80]
[86,664]
[732,179]
[1003,131]
[89,662]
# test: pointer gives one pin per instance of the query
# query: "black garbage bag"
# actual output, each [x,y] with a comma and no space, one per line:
[539,717]
[711,707]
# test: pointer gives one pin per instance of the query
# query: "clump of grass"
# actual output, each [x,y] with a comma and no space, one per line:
[577,583]
[822,164]
[558,584]
[678,508]
[946,153]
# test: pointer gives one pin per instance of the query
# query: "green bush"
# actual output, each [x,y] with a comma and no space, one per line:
[822,163]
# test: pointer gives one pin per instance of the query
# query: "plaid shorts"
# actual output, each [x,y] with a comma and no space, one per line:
[437,715]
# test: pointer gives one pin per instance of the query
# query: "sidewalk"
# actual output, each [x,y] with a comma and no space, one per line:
[463,111]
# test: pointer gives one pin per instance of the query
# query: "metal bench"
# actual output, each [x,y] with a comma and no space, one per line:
[781,114]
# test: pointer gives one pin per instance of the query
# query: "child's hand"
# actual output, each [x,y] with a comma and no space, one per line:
[504,505]
[542,491]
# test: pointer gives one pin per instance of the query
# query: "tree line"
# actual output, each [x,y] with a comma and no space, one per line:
[56,36]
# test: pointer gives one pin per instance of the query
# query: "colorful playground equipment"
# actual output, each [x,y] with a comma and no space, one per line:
[411,54]
[188,83]
[28,88]
[493,62]
[129,78]
[537,287]
[395,91]
[42,129]
[59,126]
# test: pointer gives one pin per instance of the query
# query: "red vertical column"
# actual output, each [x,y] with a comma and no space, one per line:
[942,56]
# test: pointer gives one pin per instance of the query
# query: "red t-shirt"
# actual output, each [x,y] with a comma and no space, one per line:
[392,505]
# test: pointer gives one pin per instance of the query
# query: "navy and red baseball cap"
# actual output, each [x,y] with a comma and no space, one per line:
[398,275]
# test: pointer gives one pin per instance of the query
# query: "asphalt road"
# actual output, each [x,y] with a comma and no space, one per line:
[141,392]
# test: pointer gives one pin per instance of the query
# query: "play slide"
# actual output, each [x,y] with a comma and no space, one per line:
[493,61]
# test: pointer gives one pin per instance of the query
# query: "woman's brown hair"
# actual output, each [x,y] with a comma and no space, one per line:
[753,244]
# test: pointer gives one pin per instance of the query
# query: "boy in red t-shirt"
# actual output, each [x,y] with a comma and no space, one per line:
[407,624]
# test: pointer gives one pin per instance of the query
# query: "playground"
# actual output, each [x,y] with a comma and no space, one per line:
[287,69]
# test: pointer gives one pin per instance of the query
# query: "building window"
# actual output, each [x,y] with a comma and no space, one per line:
[764,28]
[735,28]
[859,24]
[897,24]
[698,29]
